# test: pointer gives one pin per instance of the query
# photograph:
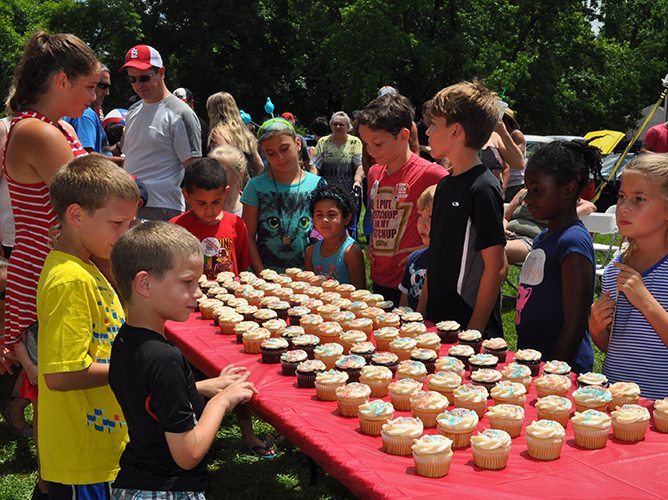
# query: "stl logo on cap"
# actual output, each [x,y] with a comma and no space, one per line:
[134,54]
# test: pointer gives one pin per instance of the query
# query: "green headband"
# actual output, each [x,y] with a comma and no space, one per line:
[276,120]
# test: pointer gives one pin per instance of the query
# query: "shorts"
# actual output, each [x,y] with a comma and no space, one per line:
[28,390]
[527,240]
[97,491]
[127,494]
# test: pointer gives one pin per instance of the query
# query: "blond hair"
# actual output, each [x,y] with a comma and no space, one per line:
[153,247]
[225,121]
[232,157]
[426,198]
[654,165]
[90,181]
[473,106]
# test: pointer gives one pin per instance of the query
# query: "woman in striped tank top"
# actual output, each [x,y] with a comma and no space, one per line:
[56,77]
[630,320]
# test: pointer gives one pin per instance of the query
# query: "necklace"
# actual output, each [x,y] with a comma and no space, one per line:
[334,253]
[285,239]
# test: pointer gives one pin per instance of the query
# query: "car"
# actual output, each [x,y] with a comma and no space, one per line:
[535,142]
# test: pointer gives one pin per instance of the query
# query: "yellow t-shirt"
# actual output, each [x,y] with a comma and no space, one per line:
[82,433]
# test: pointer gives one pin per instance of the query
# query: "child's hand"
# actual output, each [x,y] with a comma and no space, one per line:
[239,392]
[7,360]
[31,371]
[631,284]
[370,254]
[228,376]
[602,312]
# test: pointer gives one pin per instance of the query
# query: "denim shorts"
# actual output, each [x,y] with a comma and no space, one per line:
[127,494]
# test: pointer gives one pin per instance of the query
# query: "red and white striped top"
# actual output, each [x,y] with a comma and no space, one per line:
[33,218]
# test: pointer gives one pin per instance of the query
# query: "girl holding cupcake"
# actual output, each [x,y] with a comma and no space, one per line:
[629,322]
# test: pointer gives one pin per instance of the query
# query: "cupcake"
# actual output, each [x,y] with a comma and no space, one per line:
[398,435]
[283,294]
[298,300]
[401,310]
[364,349]
[373,415]
[328,354]
[630,422]
[555,408]
[450,364]
[445,383]
[508,418]
[377,378]
[290,360]
[310,323]
[623,393]
[345,290]
[514,372]
[275,327]
[412,369]
[253,339]
[387,359]
[545,439]
[471,338]
[281,308]
[429,340]
[241,289]
[592,379]
[306,343]
[263,315]
[317,280]
[496,347]
[307,371]
[411,317]
[327,382]
[352,365]
[471,397]
[479,361]
[374,299]
[486,378]
[268,274]
[292,272]
[509,393]
[661,415]
[386,305]
[344,304]
[237,302]
[412,330]
[350,397]
[264,303]
[272,348]
[462,353]
[448,331]
[558,385]
[350,338]
[304,276]
[400,391]
[591,398]
[299,287]
[364,325]
[228,322]
[491,449]
[530,358]
[206,307]
[402,347]
[383,337]
[458,424]
[427,405]
[557,368]
[253,297]
[388,319]
[344,318]
[329,332]
[248,311]
[425,356]
[327,311]
[591,429]
[243,327]
[432,455]
[313,304]
[328,297]
[358,307]
[372,313]
[330,285]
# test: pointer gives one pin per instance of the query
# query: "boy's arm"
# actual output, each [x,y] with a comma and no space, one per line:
[250,218]
[227,376]
[496,267]
[96,375]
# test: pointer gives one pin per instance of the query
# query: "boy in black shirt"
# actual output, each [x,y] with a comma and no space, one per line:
[156,266]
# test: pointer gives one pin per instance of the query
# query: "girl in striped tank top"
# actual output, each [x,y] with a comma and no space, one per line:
[630,320]
[56,77]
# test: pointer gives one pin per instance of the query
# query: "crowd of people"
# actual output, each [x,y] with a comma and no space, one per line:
[115,402]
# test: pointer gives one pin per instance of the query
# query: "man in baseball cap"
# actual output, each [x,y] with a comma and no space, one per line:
[162,135]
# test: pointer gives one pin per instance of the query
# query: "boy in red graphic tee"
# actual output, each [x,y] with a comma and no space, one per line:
[223,234]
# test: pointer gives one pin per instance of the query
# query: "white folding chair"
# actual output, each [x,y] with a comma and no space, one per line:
[602,223]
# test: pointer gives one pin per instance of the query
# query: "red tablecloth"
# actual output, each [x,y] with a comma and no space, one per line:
[621,470]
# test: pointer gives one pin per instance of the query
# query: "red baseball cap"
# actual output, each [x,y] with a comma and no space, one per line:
[142,57]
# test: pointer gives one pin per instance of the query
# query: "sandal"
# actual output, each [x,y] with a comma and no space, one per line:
[25,432]
[274,437]
[266,451]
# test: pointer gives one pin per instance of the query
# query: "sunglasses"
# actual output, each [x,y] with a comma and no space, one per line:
[103,86]
[141,78]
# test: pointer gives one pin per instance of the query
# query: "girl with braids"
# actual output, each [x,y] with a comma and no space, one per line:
[629,322]
[556,285]
[337,255]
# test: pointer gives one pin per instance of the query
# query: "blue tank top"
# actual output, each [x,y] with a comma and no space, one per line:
[332,266]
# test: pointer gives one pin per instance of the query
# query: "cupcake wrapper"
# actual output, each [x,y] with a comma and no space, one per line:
[327,392]
[432,467]
[591,439]
[632,432]
[448,337]
[534,366]
[580,407]
[371,427]
[227,328]
[306,380]
[479,408]
[517,401]
[353,374]
[492,460]
[617,402]
[459,439]
[288,368]
[428,417]
[382,345]
[397,445]
[240,338]
[542,449]
[348,408]
[403,355]
[252,346]
[400,401]
[501,354]
[378,389]
[562,418]
[271,356]
[547,391]
[419,378]
[512,427]
[660,421]
[330,363]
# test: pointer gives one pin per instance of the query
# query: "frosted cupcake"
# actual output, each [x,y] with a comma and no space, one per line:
[206,307]
[388,319]
[387,359]
[290,360]
[305,342]
[292,272]
[329,332]
[280,307]
[237,302]
[412,369]
[377,378]
[253,339]
[592,379]
[283,294]
[630,422]
[350,338]
[401,310]
[298,299]
[272,348]
[412,329]
[545,439]
[330,285]
[327,382]
[253,297]
[317,280]
[411,317]
[275,327]
[462,353]
[307,371]
[372,313]
[661,415]
[479,361]
[327,311]
[448,331]
[400,391]
[328,297]
[304,276]
[345,290]
[427,357]
[364,325]
[471,397]
[383,337]
[557,368]
[432,456]
[358,307]
[373,415]
[364,349]
[310,323]
[555,408]
[591,429]
[228,322]
[329,354]
[450,364]
[491,449]
[248,312]
[445,383]
[623,393]
[263,315]
[386,305]
[508,418]
[591,398]
[509,393]
[429,340]
[359,295]
[374,299]
[243,327]
[295,314]
[398,435]
[557,385]
[471,338]
[350,397]
[352,365]
[530,358]
[514,372]
[402,347]
[496,347]
[486,378]
[344,318]
[427,405]
[458,424]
